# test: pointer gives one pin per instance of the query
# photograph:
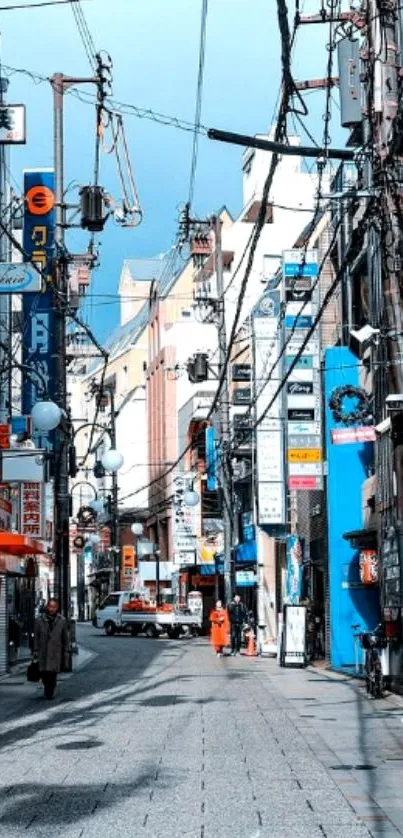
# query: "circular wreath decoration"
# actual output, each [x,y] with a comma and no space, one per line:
[361,414]
[86,516]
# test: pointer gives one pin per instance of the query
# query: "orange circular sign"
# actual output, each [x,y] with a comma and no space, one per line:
[40,200]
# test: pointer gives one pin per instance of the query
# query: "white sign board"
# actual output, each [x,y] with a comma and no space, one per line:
[267,329]
[302,469]
[26,466]
[271,499]
[184,517]
[185,557]
[294,635]
[12,124]
[270,456]
[19,278]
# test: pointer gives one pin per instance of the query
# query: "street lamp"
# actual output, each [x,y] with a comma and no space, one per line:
[191,498]
[46,415]
[137,528]
[97,505]
[112,460]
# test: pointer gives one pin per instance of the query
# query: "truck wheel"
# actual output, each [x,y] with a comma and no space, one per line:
[110,628]
[151,631]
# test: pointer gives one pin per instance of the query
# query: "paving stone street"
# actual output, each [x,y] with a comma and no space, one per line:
[160,738]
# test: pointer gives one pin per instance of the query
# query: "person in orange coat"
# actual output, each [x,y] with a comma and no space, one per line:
[220,627]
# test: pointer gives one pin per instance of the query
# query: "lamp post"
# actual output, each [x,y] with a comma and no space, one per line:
[112,461]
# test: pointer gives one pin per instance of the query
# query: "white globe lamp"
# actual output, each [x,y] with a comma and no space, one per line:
[190,498]
[112,460]
[46,416]
[137,528]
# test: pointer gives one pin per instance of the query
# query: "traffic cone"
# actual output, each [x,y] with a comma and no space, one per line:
[251,650]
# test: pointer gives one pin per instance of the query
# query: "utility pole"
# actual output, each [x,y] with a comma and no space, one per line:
[62,544]
[200,248]
[60,83]
[224,416]
[5,299]
[114,500]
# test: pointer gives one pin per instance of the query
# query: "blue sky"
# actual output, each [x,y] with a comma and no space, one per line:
[154,46]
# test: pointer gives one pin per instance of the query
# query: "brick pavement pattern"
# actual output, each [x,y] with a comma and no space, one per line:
[160,739]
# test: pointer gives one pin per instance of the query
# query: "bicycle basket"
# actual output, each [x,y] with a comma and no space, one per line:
[366,641]
[372,640]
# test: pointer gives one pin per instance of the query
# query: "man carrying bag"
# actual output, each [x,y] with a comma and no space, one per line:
[51,646]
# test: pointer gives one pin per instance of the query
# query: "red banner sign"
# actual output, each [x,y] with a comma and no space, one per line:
[347,436]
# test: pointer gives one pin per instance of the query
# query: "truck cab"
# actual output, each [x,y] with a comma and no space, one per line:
[108,615]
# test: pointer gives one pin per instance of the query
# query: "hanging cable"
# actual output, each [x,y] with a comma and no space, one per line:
[84,32]
[199,98]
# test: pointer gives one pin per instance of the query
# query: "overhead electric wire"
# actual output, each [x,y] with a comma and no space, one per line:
[199,99]
[84,32]
[326,141]
[279,135]
[41,4]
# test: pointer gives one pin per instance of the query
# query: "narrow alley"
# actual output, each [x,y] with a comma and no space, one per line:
[160,738]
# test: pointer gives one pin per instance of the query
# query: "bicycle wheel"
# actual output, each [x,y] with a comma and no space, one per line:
[378,678]
[368,680]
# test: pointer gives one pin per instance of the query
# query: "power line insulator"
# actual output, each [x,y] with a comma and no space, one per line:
[93,217]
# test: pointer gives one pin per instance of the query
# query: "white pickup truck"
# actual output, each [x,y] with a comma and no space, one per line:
[121,611]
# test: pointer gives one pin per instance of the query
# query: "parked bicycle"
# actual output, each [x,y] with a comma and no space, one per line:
[373,642]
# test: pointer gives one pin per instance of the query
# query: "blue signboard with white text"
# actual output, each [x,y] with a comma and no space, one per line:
[211,458]
[38,348]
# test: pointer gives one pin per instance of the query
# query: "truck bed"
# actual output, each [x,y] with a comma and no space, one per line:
[161,618]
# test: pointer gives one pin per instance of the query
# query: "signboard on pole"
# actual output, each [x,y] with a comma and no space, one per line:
[128,567]
[304,456]
[184,525]
[347,436]
[267,335]
[38,348]
[32,509]
[12,124]
[19,278]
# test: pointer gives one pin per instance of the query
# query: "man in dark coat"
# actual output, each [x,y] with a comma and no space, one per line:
[238,616]
[51,646]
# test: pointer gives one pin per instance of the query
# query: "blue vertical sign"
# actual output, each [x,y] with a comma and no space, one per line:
[38,350]
[211,459]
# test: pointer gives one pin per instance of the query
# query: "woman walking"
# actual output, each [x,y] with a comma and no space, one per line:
[220,628]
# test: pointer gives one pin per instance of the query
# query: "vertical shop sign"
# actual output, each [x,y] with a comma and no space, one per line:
[128,567]
[294,570]
[32,508]
[211,459]
[38,352]
[267,339]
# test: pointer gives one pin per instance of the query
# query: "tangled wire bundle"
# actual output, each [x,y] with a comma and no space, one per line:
[361,414]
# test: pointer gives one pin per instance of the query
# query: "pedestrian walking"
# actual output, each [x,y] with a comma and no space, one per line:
[238,617]
[51,646]
[219,628]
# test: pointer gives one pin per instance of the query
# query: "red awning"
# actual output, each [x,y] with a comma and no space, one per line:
[20,545]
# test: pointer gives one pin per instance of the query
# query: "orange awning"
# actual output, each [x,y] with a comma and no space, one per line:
[20,545]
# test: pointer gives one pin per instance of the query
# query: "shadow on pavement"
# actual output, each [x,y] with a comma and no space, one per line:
[29,804]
